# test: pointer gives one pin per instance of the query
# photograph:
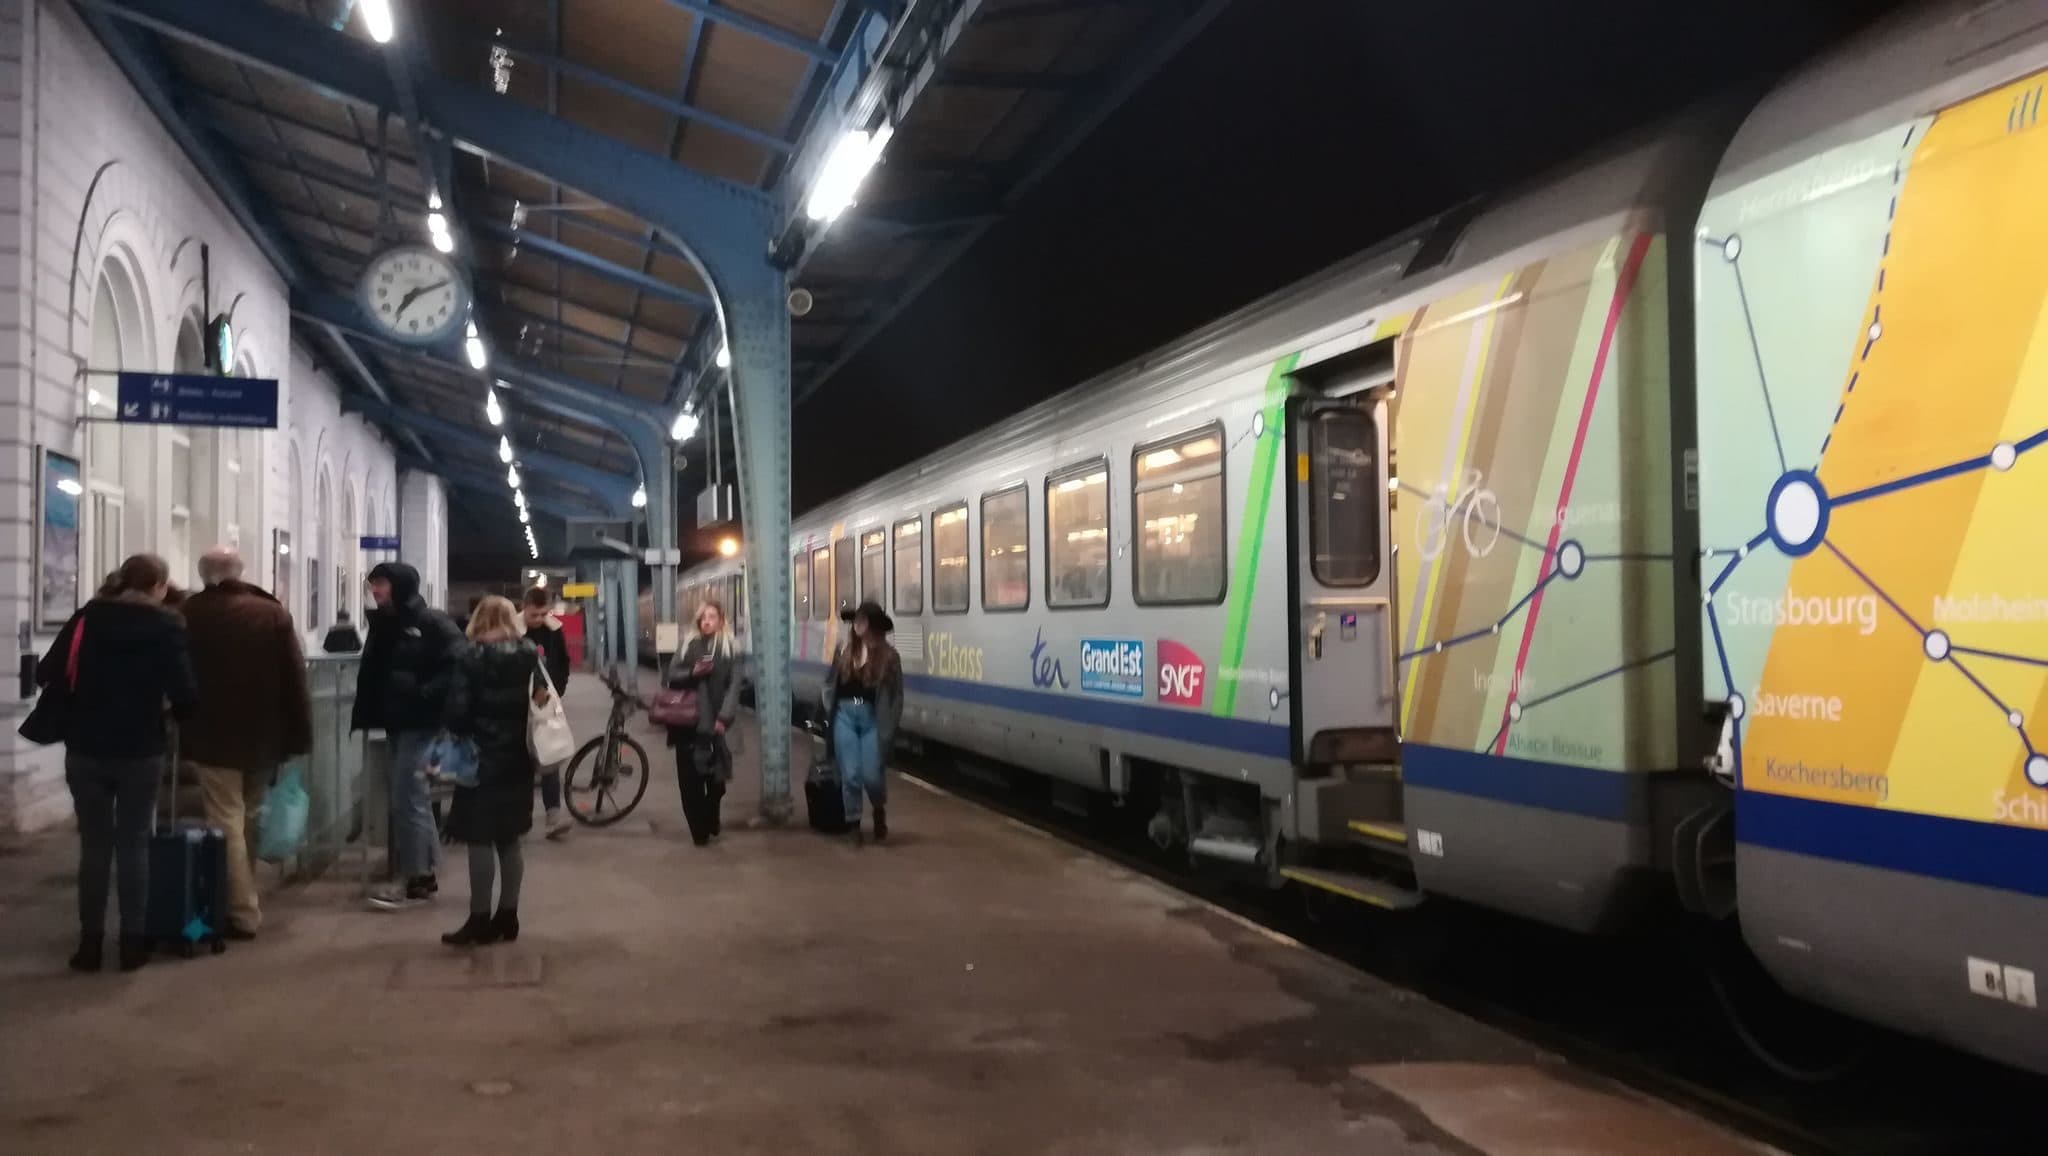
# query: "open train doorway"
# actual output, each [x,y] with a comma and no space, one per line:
[1344,679]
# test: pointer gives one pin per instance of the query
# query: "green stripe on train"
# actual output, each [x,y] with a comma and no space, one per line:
[1252,536]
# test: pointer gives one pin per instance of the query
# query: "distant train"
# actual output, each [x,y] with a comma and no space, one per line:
[1670,534]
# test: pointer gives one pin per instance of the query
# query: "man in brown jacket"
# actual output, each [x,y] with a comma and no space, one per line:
[255,712]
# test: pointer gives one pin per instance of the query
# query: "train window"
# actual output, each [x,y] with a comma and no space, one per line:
[1177,501]
[737,610]
[1077,537]
[874,562]
[949,560]
[1006,549]
[910,566]
[800,587]
[843,563]
[1344,498]
[821,584]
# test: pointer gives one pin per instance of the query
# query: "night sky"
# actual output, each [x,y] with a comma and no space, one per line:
[1291,134]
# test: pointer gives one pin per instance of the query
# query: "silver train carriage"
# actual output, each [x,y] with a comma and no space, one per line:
[1668,532]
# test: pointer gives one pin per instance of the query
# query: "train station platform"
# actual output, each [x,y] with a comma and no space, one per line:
[973,987]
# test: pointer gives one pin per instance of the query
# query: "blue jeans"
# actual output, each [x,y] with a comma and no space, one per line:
[412,807]
[857,740]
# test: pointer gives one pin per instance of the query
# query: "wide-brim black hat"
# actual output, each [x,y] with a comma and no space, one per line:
[876,616]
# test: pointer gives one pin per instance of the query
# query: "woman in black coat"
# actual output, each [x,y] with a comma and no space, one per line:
[709,666]
[496,683]
[132,662]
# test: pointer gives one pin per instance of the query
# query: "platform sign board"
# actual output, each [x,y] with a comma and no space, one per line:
[197,399]
[379,542]
[579,590]
[668,637]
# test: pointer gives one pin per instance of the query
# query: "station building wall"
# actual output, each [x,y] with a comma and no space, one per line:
[101,222]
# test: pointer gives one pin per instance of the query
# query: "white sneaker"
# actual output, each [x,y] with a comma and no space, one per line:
[559,824]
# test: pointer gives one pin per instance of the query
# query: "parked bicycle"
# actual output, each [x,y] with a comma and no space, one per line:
[608,776]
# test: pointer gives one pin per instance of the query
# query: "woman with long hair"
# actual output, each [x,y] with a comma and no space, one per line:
[864,700]
[710,667]
[131,661]
[497,680]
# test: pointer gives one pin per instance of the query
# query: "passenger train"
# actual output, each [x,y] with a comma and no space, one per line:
[1667,534]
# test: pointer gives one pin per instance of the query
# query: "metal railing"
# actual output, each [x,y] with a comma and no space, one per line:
[333,771]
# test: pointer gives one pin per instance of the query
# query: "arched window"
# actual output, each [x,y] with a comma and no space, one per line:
[115,467]
[319,546]
[347,553]
[295,514]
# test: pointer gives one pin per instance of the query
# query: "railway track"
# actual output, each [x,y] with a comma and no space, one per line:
[1641,1010]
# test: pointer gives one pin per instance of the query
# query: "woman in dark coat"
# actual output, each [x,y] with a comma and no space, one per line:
[709,666]
[133,661]
[496,683]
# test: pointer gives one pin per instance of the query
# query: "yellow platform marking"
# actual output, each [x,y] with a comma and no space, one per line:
[1335,888]
[1379,831]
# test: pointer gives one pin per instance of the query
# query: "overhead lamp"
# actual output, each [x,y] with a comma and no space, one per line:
[491,409]
[724,358]
[845,167]
[437,221]
[377,19]
[433,202]
[525,518]
[512,476]
[640,498]
[519,498]
[443,243]
[727,547]
[505,449]
[685,426]
[474,347]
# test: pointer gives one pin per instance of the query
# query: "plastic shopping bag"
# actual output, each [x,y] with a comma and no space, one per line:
[281,829]
[452,759]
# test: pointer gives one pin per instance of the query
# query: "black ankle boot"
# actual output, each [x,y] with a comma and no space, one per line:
[881,824]
[134,952]
[474,931]
[90,954]
[505,925]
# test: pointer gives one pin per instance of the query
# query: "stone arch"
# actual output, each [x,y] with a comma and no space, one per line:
[120,334]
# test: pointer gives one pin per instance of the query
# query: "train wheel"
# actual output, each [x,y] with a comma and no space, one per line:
[1797,1040]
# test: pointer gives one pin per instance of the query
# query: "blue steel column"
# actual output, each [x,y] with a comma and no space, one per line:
[756,317]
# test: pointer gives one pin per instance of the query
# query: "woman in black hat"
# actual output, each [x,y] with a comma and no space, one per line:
[864,700]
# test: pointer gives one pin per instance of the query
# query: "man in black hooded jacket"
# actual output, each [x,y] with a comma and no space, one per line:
[401,688]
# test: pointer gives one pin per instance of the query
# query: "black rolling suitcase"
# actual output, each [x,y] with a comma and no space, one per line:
[188,882]
[822,800]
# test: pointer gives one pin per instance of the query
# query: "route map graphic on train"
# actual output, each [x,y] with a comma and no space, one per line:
[1874,443]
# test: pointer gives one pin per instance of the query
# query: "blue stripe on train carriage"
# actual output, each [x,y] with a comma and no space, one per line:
[1232,734]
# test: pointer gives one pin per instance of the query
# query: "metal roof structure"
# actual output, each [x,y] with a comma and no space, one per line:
[327,164]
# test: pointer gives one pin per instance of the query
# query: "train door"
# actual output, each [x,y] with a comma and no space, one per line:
[1343,577]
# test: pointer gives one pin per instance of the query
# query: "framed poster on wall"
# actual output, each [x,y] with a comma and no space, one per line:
[60,490]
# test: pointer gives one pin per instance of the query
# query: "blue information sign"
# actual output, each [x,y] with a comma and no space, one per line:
[379,543]
[198,399]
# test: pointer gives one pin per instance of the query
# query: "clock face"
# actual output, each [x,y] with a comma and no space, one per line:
[415,295]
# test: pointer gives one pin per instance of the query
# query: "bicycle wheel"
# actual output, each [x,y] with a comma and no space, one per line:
[605,780]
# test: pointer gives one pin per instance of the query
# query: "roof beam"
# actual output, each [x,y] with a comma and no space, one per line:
[581,400]
[723,218]
[591,263]
[615,489]
[680,109]
[153,81]
[773,34]
[558,503]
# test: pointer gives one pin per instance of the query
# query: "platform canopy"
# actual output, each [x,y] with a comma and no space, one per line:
[632,189]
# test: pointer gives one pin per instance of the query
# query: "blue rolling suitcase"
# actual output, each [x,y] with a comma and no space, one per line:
[188,882]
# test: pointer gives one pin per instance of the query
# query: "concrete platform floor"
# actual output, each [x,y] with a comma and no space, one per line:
[974,987]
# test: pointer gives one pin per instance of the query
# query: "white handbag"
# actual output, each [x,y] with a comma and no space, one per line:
[547,728]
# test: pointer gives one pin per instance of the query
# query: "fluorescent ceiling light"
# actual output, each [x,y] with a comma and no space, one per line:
[845,167]
[377,19]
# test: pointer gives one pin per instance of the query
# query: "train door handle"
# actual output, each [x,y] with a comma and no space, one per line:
[1315,637]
